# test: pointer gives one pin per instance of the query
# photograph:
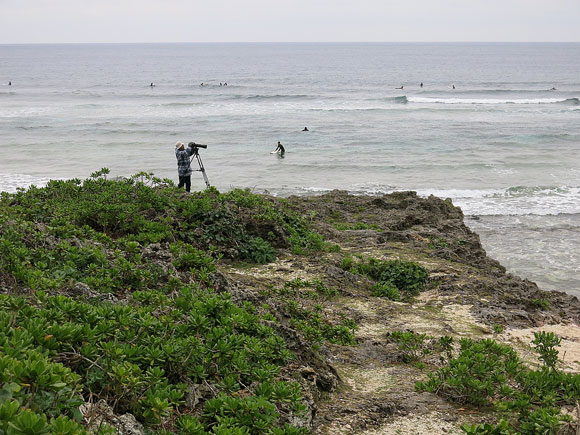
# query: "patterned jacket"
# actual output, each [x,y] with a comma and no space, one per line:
[183,163]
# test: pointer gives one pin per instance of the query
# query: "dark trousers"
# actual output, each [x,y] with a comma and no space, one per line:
[185,180]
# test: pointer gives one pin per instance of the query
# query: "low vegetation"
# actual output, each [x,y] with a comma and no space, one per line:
[491,375]
[168,336]
[394,279]
[302,301]
[110,292]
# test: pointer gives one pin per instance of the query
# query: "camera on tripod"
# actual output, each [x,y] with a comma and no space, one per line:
[195,155]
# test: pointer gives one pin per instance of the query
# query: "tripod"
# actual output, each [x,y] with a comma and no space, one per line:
[200,163]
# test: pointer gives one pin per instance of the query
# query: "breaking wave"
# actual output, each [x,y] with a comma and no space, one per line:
[566,101]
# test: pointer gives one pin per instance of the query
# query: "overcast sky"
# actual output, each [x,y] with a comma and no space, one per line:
[48,21]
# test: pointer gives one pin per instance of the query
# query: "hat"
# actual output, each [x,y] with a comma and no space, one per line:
[179,145]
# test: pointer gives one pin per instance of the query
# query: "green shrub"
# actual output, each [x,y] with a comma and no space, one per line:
[345,226]
[437,242]
[486,373]
[477,374]
[317,329]
[545,344]
[258,251]
[542,304]
[16,420]
[30,378]
[406,276]
[412,346]
[386,289]
[143,354]
[152,212]
[127,356]
[347,263]
[502,428]
[189,257]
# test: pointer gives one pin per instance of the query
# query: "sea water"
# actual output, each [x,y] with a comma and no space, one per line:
[495,127]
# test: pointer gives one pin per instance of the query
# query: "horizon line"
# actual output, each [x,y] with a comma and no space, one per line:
[291,42]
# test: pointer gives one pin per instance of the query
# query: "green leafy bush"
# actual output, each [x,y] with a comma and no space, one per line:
[411,345]
[258,251]
[148,213]
[44,386]
[478,373]
[542,304]
[317,329]
[347,262]
[14,420]
[408,277]
[486,373]
[168,332]
[386,289]
[545,344]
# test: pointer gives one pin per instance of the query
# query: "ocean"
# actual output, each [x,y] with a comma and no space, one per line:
[495,127]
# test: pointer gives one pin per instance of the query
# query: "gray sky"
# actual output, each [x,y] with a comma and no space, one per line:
[47,21]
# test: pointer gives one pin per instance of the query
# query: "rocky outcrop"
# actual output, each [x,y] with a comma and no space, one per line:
[366,388]
[433,227]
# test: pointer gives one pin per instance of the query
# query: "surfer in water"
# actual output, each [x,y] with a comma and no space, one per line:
[279,148]
[421,84]
[305,129]
[400,87]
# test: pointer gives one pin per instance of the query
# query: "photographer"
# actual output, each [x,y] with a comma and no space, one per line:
[184,164]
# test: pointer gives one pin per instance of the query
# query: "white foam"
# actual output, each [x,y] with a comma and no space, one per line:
[514,201]
[11,182]
[486,100]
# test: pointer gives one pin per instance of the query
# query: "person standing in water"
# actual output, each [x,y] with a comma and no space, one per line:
[280,148]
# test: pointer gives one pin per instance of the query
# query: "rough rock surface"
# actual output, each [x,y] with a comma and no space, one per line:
[96,414]
[366,388]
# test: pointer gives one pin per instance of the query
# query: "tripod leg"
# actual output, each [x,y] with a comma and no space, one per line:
[202,169]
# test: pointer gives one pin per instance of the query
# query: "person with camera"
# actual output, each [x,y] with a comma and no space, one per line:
[184,164]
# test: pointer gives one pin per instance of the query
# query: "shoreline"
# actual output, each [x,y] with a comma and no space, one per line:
[538,252]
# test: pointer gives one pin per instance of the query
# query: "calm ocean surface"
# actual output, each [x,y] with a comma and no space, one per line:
[502,144]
